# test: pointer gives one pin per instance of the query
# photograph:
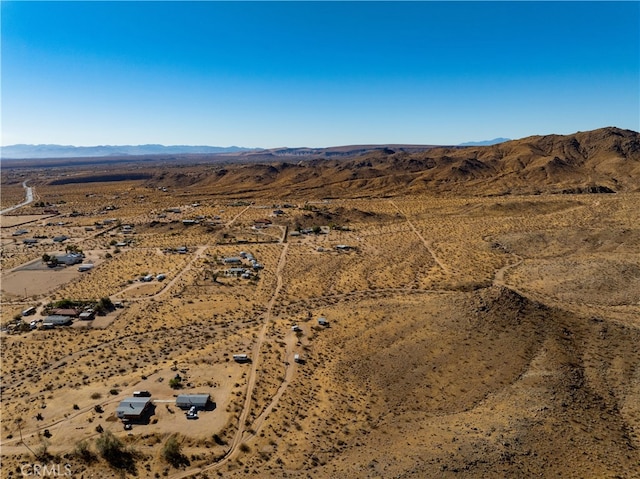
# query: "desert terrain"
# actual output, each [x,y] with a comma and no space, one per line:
[457,313]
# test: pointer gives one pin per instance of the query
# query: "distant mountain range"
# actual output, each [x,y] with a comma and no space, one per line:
[69,151]
[495,141]
[23,151]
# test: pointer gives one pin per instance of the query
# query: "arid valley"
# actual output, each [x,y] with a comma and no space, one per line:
[451,312]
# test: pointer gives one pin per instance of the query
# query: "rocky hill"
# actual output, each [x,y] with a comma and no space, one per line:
[606,160]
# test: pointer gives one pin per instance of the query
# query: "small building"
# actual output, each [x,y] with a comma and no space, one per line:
[173,210]
[323,322]
[51,211]
[19,232]
[69,259]
[232,260]
[85,267]
[87,315]
[344,247]
[56,320]
[234,272]
[30,241]
[133,408]
[187,401]
[241,358]
[60,239]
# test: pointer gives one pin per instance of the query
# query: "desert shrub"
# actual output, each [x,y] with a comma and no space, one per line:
[172,452]
[83,452]
[96,395]
[113,451]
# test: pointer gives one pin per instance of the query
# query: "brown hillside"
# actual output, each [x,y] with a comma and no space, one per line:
[599,161]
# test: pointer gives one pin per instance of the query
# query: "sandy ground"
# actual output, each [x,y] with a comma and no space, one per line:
[482,337]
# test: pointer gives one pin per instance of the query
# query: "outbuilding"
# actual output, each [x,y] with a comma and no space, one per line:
[55,320]
[199,401]
[232,260]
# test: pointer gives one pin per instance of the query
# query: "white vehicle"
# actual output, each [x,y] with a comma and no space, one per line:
[192,413]
[29,311]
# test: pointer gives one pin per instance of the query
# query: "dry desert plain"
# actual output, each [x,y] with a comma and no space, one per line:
[467,336]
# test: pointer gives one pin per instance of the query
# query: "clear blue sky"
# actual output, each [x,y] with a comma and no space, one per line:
[270,74]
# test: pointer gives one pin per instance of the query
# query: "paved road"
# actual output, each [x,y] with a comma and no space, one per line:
[28,199]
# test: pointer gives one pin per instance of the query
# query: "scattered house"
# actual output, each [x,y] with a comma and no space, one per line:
[69,259]
[60,239]
[133,408]
[241,358]
[66,312]
[278,212]
[89,228]
[232,260]
[294,233]
[323,322]
[182,250]
[85,267]
[234,272]
[56,320]
[199,401]
[121,244]
[161,277]
[30,241]
[295,328]
[119,304]
[148,278]
[343,247]
[261,223]
[173,210]
[29,311]
[141,394]
[51,211]
[19,232]
[298,359]
[257,266]
[189,222]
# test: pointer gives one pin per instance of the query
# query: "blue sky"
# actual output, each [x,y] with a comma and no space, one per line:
[268,74]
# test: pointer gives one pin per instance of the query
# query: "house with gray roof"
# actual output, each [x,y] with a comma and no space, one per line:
[134,408]
[186,401]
